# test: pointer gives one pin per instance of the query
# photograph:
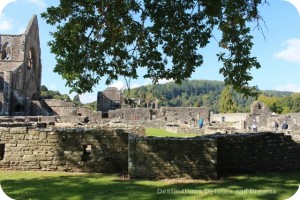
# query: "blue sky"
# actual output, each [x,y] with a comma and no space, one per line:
[277,48]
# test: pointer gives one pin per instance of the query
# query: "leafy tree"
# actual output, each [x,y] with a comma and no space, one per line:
[296,102]
[287,104]
[197,104]
[63,97]
[50,94]
[227,103]
[272,102]
[91,106]
[44,88]
[102,38]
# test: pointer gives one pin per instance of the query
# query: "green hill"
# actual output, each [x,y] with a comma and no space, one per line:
[195,93]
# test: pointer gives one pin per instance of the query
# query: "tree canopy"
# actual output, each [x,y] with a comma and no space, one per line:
[105,39]
[227,103]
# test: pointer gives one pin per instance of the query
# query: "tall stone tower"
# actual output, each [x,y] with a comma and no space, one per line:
[20,70]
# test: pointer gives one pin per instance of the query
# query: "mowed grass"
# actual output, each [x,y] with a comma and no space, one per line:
[64,186]
[162,133]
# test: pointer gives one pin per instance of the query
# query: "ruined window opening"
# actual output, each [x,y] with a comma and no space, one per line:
[2,148]
[105,115]
[5,53]
[86,152]
[31,59]
[259,106]
[19,108]
[223,119]
[3,56]
[1,82]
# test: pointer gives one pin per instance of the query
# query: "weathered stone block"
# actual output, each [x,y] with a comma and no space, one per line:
[29,158]
[18,130]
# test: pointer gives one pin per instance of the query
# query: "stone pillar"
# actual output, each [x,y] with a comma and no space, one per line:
[156,103]
[7,93]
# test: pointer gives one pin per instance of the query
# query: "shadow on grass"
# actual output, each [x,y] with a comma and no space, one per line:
[107,186]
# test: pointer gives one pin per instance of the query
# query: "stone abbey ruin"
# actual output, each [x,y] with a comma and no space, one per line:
[20,71]
[54,135]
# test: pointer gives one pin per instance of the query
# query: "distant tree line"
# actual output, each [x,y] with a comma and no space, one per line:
[282,105]
[215,96]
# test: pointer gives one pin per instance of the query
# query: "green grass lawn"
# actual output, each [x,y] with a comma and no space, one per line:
[162,133]
[64,186]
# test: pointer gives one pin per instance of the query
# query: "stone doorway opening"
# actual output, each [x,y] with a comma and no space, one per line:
[2,150]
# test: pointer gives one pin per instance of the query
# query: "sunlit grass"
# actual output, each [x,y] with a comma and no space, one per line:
[65,186]
[163,133]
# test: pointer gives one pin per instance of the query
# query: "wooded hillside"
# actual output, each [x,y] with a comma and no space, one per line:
[196,93]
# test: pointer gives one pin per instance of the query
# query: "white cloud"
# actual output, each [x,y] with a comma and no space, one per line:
[122,85]
[163,81]
[39,3]
[118,84]
[295,3]
[135,85]
[160,81]
[22,30]
[87,97]
[290,52]
[5,24]
[288,87]
[3,4]
[53,87]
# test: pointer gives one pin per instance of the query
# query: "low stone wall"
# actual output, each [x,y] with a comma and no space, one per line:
[257,152]
[184,129]
[119,149]
[189,115]
[72,149]
[157,158]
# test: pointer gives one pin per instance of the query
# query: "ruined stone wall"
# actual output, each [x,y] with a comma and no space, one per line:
[158,158]
[259,152]
[131,114]
[107,149]
[98,150]
[20,68]
[184,129]
[181,115]
[292,119]
[61,108]
[14,50]
[142,123]
[109,99]
[228,117]
[86,112]
[188,115]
